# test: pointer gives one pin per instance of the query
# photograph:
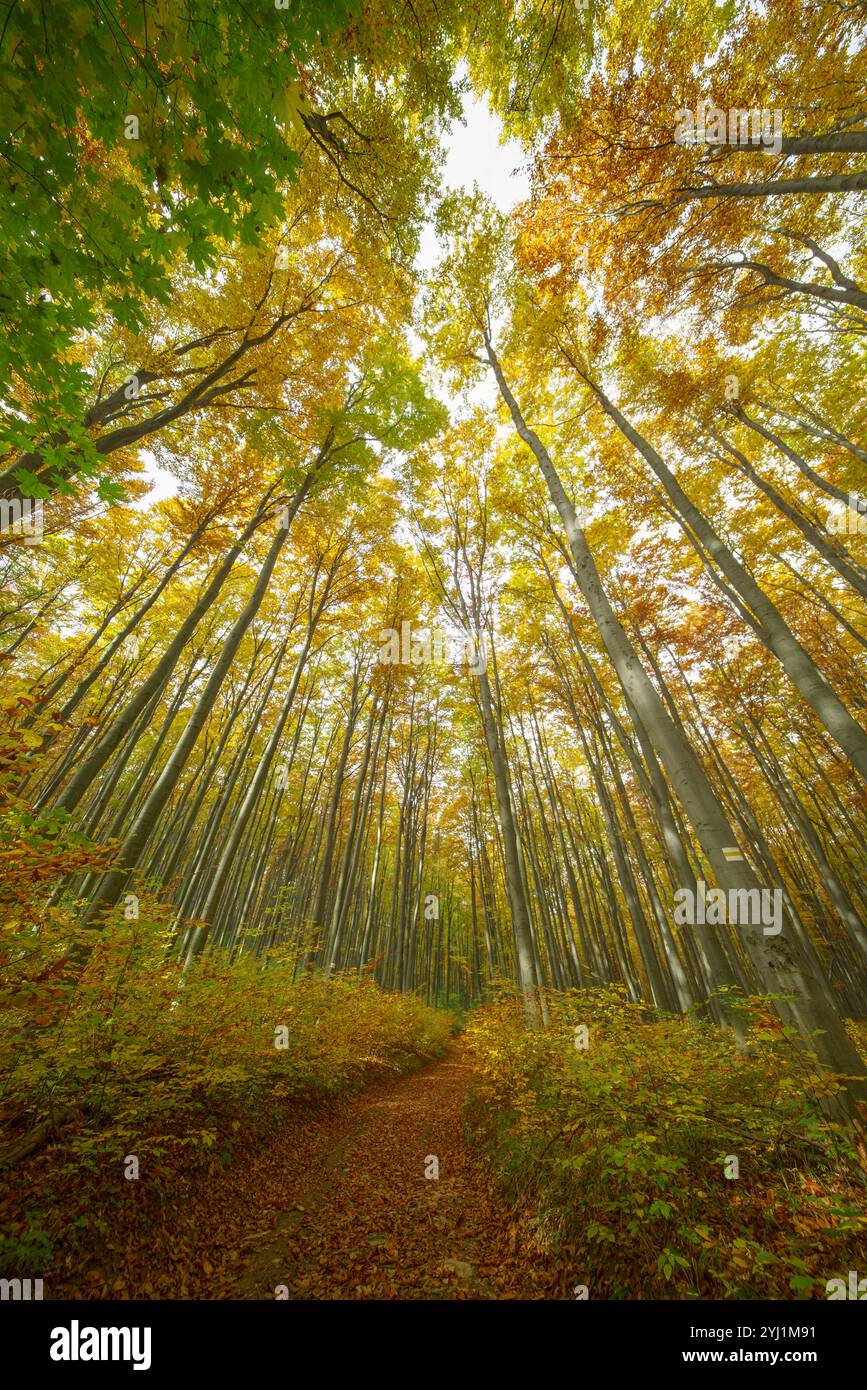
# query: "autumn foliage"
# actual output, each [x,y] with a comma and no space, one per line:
[425,587]
[612,1132]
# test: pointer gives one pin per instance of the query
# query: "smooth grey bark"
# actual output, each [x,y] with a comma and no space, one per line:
[793,456]
[90,766]
[357,829]
[134,845]
[84,685]
[778,959]
[778,188]
[212,383]
[470,615]
[769,622]
[377,852]
[835,555]
[317,916]
[257,782]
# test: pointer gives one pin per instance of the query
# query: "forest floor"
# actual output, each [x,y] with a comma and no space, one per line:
[327,1199]
[361,1220]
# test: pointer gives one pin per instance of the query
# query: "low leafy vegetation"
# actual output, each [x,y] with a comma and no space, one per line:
[617,1152]
[132,1045]
[103,1025]
[188,1082]
[124,1056]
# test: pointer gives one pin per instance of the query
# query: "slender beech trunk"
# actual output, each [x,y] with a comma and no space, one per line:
[777,959]
[90,766]
[769,622]
[114,883]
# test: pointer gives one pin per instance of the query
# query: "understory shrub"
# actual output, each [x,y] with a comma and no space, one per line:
[132,1047]
[618,1135]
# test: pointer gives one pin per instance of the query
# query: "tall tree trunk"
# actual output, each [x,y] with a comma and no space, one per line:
[777,959]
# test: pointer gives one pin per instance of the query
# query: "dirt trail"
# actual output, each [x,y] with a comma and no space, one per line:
[365,1222]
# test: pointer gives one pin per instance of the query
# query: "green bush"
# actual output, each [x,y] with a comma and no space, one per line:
[619,1151]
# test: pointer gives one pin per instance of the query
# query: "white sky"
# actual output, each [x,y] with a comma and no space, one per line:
[474,154]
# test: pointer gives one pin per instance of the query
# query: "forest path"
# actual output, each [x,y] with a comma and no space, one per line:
[362,1220]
